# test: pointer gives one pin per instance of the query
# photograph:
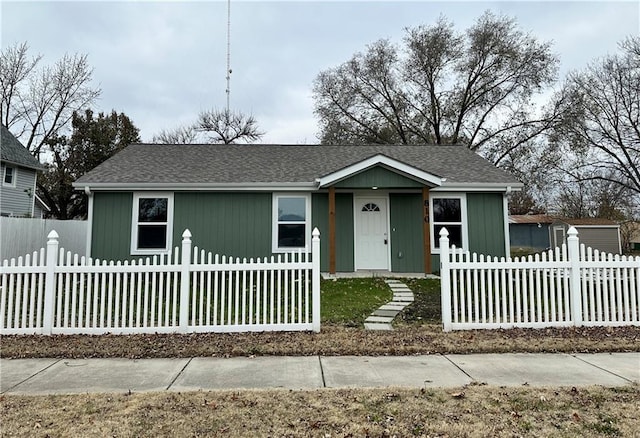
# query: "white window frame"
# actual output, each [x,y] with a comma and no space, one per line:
[134,223]
[463,216]
[275,223]
[14,176]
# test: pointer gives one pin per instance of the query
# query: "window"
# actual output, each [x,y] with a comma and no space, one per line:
[9,177]
[291,221]
[152,223]
[449,212]
[370,207]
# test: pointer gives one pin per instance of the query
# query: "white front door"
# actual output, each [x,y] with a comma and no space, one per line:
[372,240]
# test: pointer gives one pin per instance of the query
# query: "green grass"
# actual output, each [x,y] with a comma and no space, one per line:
[349,301]
[426,307]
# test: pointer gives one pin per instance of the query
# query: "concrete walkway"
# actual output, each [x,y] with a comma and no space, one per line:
[382,318]
[60,376]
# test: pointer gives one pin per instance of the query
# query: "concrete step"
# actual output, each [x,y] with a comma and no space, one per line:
[384,319]
[378,326]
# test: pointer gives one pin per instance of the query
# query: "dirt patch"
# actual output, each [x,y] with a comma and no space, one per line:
[472,411]
[333,340]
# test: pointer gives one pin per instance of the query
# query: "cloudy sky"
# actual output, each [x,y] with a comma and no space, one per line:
[162,62]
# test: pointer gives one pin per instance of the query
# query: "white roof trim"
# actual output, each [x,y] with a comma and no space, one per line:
[376,160]
[41,202]
[197,186]
[478,187]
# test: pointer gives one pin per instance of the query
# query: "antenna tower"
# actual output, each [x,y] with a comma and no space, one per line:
[228,54]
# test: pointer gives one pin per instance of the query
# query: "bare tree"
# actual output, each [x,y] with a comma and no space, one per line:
[214,126]
[37,102]
[601,123]
[225,126]
[180,135]
[441,87]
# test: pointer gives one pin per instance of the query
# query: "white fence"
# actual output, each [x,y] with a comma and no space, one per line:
[20,236]
[568,286]
[51,292]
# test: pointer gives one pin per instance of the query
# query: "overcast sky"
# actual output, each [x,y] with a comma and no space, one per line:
[162,62]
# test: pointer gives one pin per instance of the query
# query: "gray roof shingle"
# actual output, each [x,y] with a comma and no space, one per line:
[12,151]
[273,164]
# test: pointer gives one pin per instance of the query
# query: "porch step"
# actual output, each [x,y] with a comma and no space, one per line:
[382,318]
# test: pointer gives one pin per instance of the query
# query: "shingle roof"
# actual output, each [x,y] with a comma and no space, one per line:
[12,151]
[265,164]
[530,219]
[588,221]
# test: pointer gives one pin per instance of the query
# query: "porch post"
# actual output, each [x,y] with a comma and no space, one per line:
[332,230]
[426,231]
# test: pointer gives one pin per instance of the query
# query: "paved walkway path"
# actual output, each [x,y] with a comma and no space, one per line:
[381,319]
[68,376]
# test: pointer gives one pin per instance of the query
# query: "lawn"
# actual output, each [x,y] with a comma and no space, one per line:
[348,301]
[471,411]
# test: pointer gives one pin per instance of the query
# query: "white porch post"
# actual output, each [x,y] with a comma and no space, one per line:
[574,279]
[445,280]
[185,286]
[315,279]
[49,282]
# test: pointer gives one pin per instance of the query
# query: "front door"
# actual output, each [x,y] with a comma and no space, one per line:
[372,240]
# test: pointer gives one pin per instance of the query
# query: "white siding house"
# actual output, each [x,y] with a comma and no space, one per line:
[18,171]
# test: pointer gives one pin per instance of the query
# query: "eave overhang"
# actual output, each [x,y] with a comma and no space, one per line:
[168,186]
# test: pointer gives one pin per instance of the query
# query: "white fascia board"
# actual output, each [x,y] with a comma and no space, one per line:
[376,160]
[177,187]
[37,198]
[595,226]
[478,187]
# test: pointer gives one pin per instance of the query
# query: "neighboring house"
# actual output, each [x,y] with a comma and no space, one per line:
[19,170]
[530,231]
[377,207]
[634,239]
[596,233]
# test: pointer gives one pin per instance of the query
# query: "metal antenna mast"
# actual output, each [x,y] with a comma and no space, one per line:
[228,54]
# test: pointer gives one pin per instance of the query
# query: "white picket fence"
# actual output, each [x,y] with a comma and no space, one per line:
[190,290]
[568,286]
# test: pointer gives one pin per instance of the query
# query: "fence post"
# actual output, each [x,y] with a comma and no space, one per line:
[49,282]
[445,280]
[315,279]
[574,279]
[185,278]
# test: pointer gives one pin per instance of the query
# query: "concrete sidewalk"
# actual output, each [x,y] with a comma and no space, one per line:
[60,376]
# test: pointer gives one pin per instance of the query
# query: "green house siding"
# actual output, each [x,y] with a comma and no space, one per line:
[111,227]
[405,215]
[485,215]
[344,229]
[235,224]
[378,177]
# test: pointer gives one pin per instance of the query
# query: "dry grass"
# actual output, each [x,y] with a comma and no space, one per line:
[333,340]
[473,411]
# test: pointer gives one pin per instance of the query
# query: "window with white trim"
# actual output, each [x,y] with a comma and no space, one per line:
[152,223]
[291,221]
[449,211]
[9,177]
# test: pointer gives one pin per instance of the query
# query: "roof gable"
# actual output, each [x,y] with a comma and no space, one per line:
[12,151]
[385,162]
